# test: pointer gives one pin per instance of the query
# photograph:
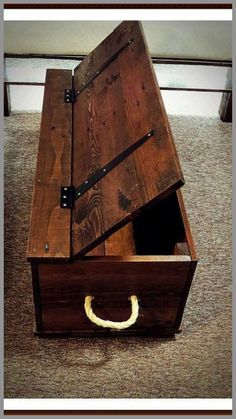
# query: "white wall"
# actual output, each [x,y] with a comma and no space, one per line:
[28,98]
[203,39]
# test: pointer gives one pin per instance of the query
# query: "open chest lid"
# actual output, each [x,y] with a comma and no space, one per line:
[124,157]
[106,150]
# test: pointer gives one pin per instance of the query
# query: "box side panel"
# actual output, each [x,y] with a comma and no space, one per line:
[159,287]
[37,297]
[185,293]
[189,237]
[49,234]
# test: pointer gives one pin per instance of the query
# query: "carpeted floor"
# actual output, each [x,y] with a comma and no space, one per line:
[197,363]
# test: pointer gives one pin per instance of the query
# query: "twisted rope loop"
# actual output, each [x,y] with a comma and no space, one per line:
[107,323]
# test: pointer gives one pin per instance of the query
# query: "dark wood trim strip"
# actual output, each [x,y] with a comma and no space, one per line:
[97,333]
[7,104]
[46,56]
[119,412]
[195,89]
[118,6]
[23,83]
[37,296]
[188,283]
[155,59]
[191,61]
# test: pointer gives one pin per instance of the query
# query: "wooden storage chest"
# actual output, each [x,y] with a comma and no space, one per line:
[108,219]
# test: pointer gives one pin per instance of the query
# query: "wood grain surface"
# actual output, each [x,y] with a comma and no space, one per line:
[158,286]
[120,243]
[49,224]
[120,105]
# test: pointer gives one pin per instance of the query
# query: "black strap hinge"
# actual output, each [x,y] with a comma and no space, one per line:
[69,193]
[69,95]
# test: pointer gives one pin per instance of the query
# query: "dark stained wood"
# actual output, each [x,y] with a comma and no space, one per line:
[161,283]
[156,331]
[116,412]
[109,115]
[49,223]
[185,294]
[120,243]
[72,319]
[37,297]
[159,287]
[132,223]
[188,233]
[116,273]
[118,5]
[7,103]
[23,83]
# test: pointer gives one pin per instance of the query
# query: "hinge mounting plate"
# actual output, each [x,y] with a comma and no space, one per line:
[67,197]
[69,95]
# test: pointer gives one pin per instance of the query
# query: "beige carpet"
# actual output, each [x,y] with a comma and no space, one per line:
[198,362]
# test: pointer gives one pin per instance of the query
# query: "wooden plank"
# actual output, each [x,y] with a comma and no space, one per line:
[37,297]
[121,243]
[185,294]
[106,274]
[109,115]
[189,237]
[157,332]
[49,224]
[64,287]
[73,317]
[97,205]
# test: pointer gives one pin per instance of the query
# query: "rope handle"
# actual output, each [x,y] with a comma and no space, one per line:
[107,323]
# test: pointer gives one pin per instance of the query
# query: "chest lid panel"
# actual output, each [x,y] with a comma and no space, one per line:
[123,156]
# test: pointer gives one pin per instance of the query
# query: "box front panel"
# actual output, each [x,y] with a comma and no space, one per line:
[159,286]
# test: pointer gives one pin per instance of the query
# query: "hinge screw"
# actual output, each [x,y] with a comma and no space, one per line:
[46,247]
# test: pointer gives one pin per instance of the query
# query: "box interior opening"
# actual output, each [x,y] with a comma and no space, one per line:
[158,230]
